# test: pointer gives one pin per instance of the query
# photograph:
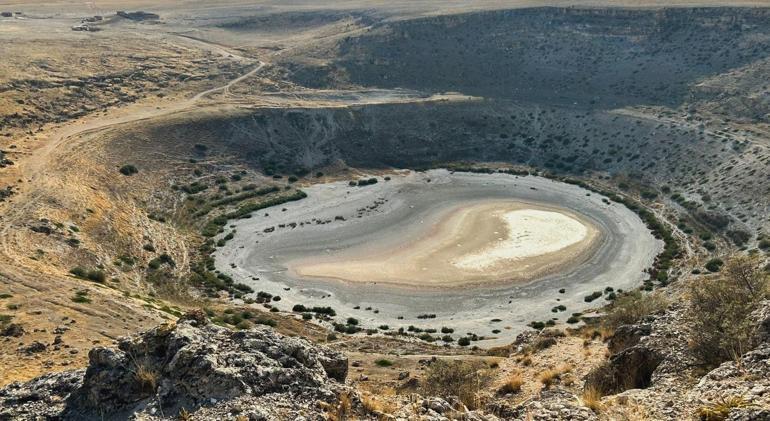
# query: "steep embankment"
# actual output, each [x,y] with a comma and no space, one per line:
[703,166]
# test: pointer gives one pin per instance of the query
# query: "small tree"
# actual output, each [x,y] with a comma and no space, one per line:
[720,309]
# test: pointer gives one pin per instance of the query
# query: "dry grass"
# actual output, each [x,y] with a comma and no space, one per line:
[720,409]
[524,360]
[184,415]
[549,377]
[623,409]
[146,377]
[378,406]
[512,385]
[464,379]
[591,398]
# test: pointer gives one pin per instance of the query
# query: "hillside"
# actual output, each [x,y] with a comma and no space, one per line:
[128,152]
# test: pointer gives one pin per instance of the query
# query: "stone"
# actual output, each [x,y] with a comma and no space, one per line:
[207,370]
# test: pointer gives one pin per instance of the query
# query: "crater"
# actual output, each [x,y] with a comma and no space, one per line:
[465,249]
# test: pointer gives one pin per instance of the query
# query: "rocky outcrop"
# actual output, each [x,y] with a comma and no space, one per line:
[553,404]
[627,336]
[762,315]
[204,371]
[746,381]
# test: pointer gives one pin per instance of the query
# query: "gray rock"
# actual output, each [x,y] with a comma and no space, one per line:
[171,369]
[627,336]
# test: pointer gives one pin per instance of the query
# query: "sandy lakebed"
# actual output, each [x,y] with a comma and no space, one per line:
[483,252]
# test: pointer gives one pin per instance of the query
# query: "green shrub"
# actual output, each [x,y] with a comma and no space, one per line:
[714,265]
[91,275]
[383,363]
[594,295]
[81,297]
[128,170]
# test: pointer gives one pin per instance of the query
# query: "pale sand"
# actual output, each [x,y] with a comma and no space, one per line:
[479,243]
[530,232]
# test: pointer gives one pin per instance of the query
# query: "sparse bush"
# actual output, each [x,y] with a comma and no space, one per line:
[630,307]
[464,379]
[383,363]
[720,309]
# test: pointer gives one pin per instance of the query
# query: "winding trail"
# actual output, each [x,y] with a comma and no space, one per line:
[33,167]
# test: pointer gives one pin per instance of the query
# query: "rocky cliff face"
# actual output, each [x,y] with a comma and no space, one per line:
[189,369]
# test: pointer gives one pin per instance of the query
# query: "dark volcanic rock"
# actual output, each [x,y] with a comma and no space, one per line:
[178,368]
